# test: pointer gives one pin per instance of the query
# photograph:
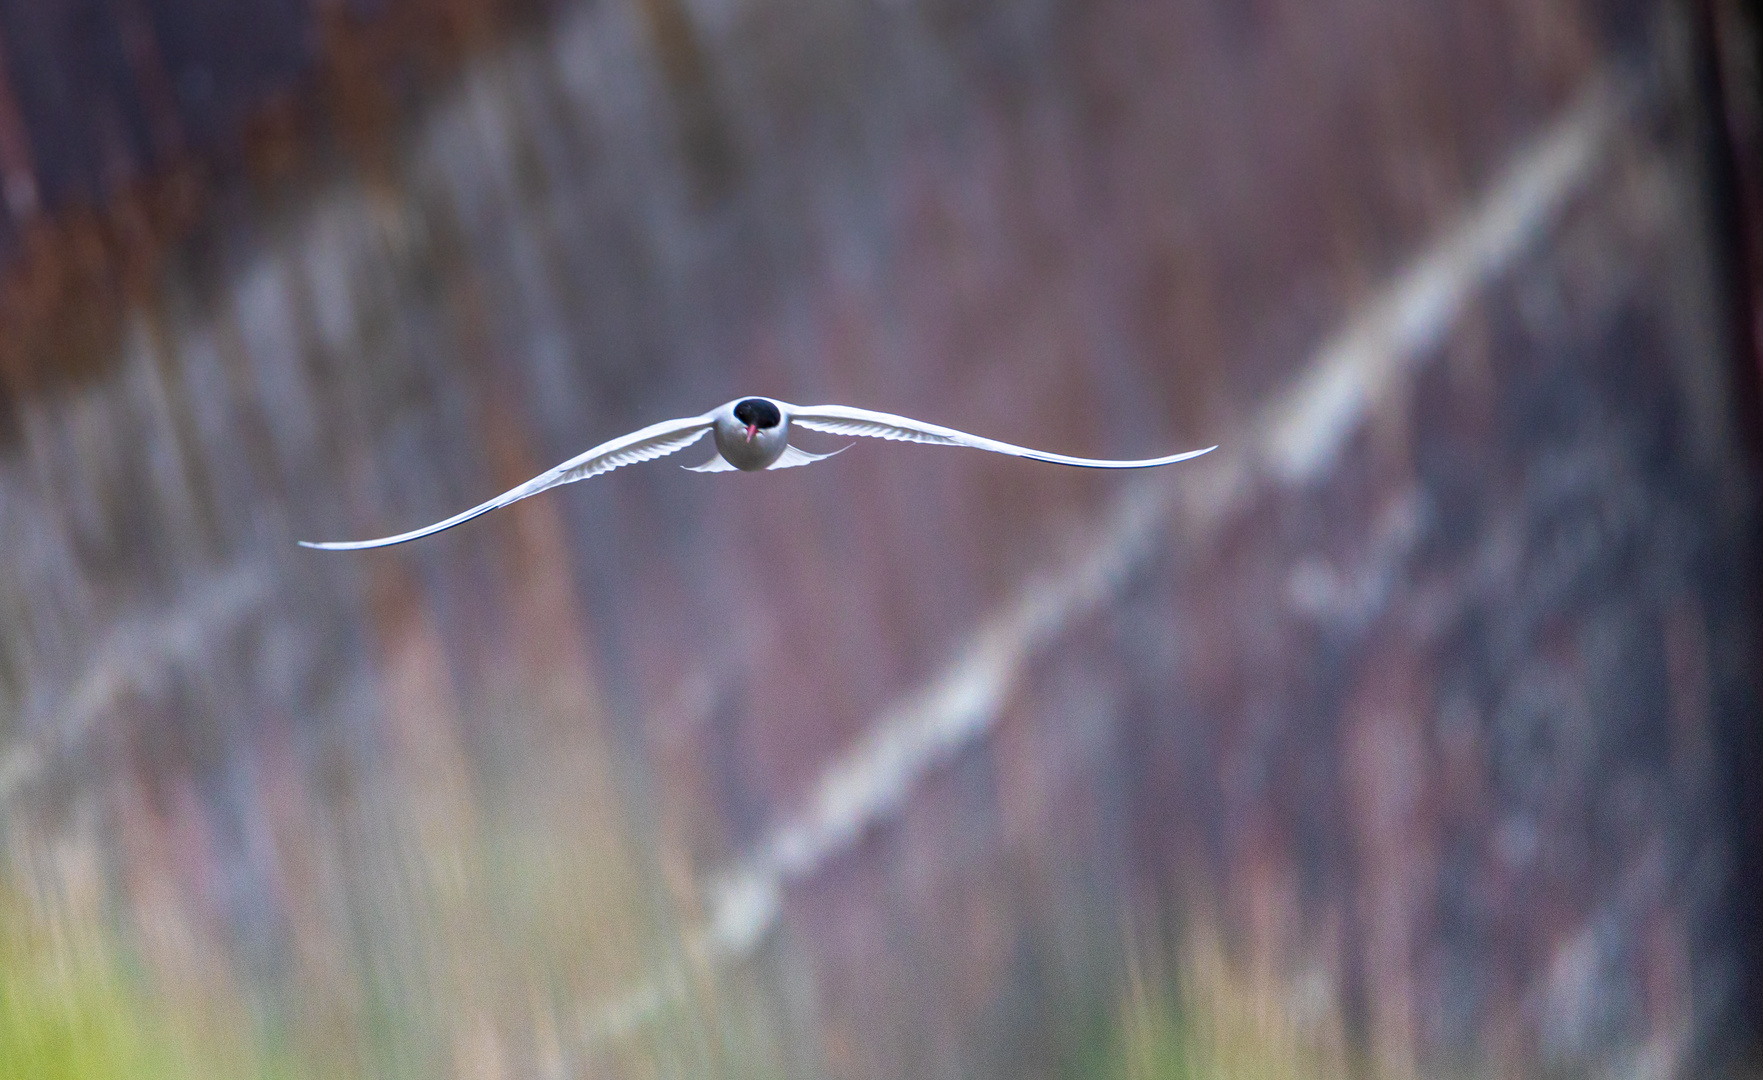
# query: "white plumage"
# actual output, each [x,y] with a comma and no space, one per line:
[750,434]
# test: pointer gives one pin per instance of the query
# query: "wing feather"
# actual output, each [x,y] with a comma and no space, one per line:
[717,463]
[795,455]
[656,440]
[844,420]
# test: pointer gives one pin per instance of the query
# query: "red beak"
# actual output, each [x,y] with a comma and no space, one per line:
[751,428]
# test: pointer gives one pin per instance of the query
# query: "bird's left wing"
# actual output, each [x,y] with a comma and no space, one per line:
[656,440]
[844,420]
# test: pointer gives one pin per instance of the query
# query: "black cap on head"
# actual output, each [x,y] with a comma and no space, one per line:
[758,412]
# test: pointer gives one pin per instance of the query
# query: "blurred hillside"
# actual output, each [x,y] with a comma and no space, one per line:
[1412,733]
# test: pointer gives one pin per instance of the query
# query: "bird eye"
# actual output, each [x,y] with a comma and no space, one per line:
[758,412]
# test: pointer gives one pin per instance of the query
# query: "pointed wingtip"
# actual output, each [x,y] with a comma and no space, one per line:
[1188,455]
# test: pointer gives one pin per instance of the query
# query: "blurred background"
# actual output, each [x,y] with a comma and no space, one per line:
[1415,732]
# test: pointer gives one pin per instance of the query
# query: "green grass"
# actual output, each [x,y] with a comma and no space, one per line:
[72,1008]
[66,1011]
[1210,1023]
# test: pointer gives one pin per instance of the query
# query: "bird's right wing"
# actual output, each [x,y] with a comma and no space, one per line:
[656,440]
[844,420]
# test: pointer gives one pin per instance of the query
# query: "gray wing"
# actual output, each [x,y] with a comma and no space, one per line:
[844,420]
[656,440]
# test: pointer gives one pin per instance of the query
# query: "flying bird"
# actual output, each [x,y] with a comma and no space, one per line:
[751,434]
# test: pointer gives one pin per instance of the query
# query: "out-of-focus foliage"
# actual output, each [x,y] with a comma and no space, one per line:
[68,1011]
[1200,1015]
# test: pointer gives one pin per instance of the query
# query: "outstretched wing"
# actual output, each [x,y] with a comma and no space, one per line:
[844,420]
[656,440]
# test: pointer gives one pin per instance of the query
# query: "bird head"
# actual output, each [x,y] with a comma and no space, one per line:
[757,414]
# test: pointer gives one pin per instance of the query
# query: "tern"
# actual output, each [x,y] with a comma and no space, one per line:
[751,434]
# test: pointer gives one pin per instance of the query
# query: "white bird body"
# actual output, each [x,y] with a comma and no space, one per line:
[751,434]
